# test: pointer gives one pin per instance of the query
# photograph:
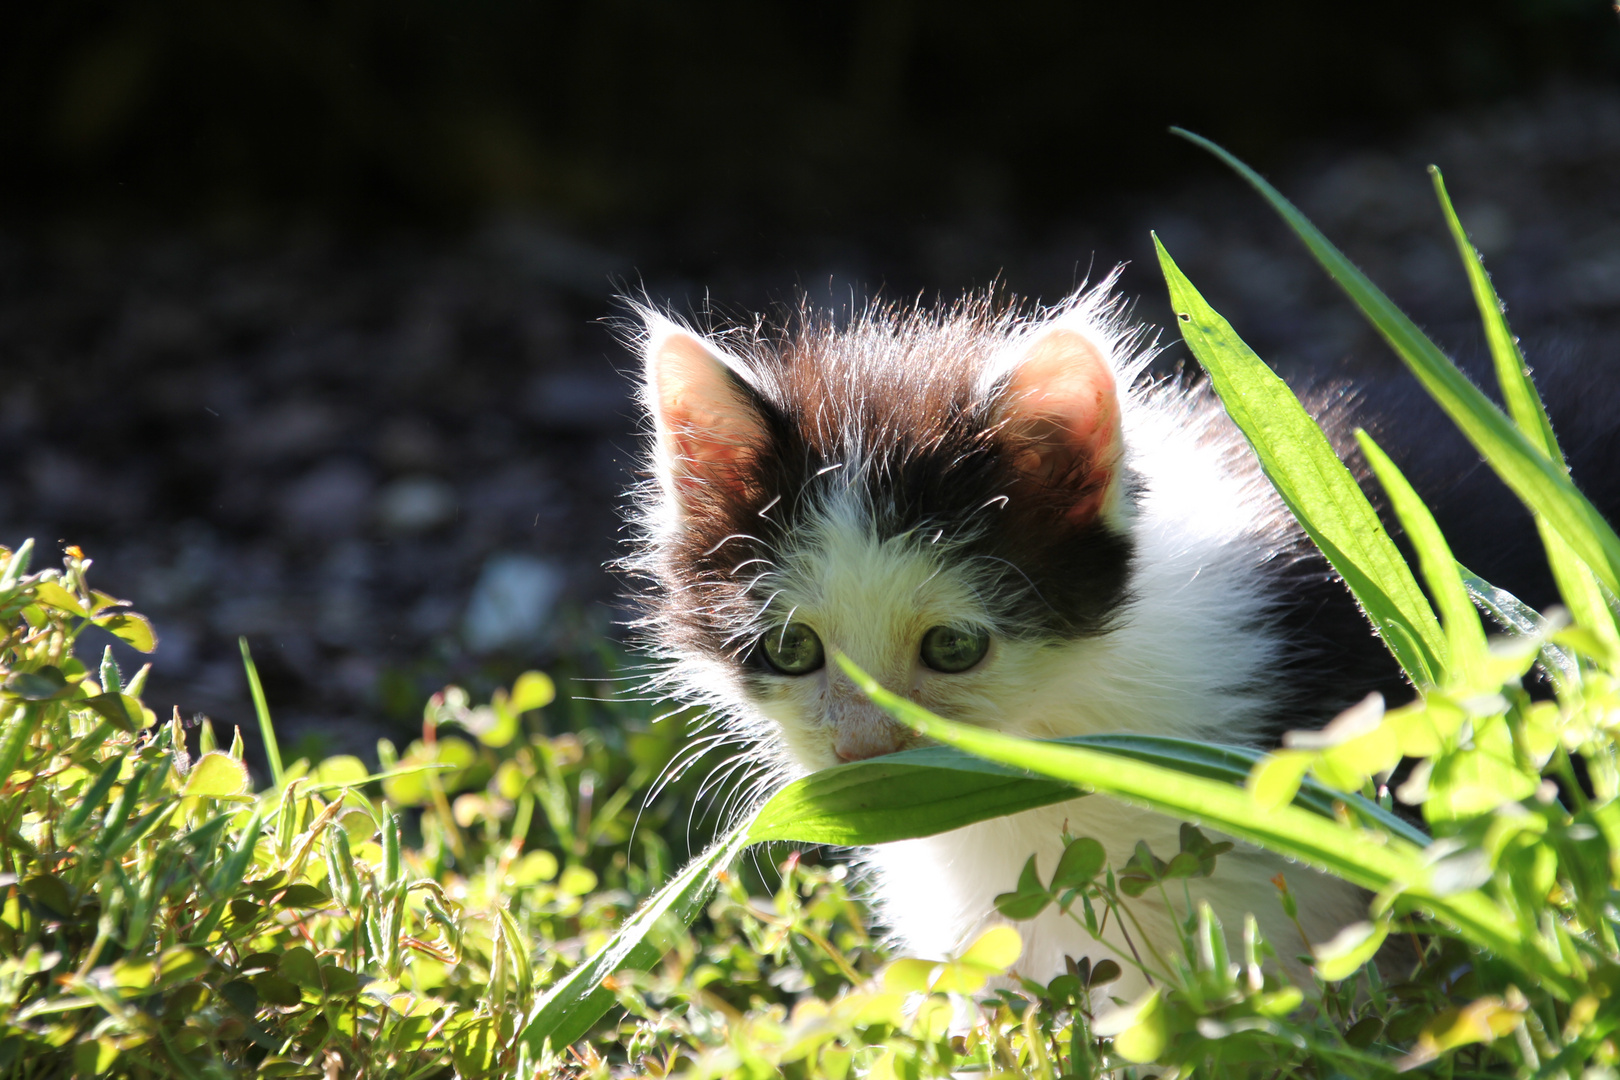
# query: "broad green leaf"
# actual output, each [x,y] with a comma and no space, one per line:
[1141,1030]
[495,724]
[1475,781]
[132,629]
[900,797]
[120,710]
[357,825]
[476,1047]
[1465,637]
[577,881]
[95,1057]
[1482,1020]
[996,950]
[1080,862]
[217,775]
[908,975]
[533,690]
[181,963]
[1028,899]
[49,890]
[1374,863]
[863,802]
[1534,477]
[1275,780]
[1363,757]
[1350,948]
[276,990]
[533,866]
[1312,481]
[134,974]
[42,685]
[298,966]
[566,1010]
[343,770]
[53,595]
[1576,584]
[303,895]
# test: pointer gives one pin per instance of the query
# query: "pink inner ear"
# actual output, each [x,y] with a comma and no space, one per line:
[1062,404]
[706,425]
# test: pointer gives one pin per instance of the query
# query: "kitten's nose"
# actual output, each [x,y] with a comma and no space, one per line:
[864,735]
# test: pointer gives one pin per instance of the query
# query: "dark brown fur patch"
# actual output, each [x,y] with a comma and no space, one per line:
[889,403]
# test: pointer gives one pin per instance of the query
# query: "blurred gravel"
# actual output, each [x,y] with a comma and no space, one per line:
[351,452]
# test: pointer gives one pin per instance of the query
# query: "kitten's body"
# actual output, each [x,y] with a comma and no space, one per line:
[1017,473]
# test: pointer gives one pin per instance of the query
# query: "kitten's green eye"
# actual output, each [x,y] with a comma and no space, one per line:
[954,648]
[793,649]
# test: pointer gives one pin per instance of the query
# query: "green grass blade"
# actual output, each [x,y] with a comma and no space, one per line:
[1232,764]
[1576,584]
[935,789]
[1532,475]
[1371,862]
[267,730]
[1523,403]
[1312,481]
[900,797]
[1514,614]
[568,1008]
[1465,636]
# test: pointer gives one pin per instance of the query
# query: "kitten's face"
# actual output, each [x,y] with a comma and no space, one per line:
[938,497]
[906,614]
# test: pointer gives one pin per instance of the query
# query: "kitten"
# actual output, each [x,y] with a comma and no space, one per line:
[995,511]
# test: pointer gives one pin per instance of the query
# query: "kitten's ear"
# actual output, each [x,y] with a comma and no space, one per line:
[706,417]
[1060,411]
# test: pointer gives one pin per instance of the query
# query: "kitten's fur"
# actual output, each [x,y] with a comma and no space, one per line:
[1012,469]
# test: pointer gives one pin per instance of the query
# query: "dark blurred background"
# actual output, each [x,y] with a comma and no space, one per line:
[301,305]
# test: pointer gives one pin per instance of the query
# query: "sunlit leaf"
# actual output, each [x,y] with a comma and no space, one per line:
[340,769]
[134,630]
[996,950]
[1349,950]
[120,710]
[1483,1020]
[1140,1030]
[53,595]
[533,690]
[217,775]
[1313,482]
[1276,777]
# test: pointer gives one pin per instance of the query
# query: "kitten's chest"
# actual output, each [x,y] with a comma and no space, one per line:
[938,893]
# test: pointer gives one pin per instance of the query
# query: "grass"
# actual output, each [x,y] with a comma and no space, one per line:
[502,897]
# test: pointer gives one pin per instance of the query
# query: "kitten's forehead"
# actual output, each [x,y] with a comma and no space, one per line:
[864,590]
